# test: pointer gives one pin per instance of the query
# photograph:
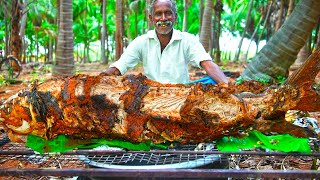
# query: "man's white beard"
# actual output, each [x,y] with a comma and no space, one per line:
[163,32]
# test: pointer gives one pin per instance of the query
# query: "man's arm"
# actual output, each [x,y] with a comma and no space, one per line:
[130,57]
[214,71]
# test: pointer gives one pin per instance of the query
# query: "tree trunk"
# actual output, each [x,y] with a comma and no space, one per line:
[64,64]
[301,58]
[16,44]
[218,10]
[126,35]
[290,8]
[280,52]
[7,37]
[206,26]
[149,24]
[37,42]
[103,34]
[318,39]
[201,15]
[244,31]
[280,16]
[86,39]
[22,29]
[50,49]
[186,4]
[119,29]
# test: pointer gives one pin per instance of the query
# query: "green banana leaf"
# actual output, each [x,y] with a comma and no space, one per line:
[255,139]
[63,144]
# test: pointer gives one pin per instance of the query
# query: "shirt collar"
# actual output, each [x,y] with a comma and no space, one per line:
[176,35]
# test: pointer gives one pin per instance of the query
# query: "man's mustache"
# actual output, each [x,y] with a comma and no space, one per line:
[163,23]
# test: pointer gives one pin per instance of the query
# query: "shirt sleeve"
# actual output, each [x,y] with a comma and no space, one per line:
[196,51]
[130,58]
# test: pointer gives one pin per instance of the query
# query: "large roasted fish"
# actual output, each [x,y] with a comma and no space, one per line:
[138,109]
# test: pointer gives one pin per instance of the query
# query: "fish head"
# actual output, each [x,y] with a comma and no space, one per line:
[19,116]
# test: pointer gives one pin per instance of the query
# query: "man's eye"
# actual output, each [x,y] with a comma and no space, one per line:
[157,14]
[169,13]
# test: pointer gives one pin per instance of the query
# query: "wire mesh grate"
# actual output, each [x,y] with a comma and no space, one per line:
[149,160]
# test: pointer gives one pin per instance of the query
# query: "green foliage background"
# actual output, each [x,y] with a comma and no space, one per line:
[42,25]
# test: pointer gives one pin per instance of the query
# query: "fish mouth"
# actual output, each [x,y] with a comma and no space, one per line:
[23,129]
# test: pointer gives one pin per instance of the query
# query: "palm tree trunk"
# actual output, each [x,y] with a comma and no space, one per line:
[301,58]
[64,64]
[7,36]
[103,34]
[280,16]
[318,39]
[86,39]
[280,52]
[50,49]
[290,8]
[217,10]
[186,4]
[149,24]
[22,29]
[119,29]
[201,5]
[15,29]
[206,25]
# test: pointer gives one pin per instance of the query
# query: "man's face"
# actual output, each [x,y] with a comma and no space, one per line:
[163,17]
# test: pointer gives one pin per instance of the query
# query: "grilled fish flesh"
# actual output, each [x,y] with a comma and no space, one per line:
[138,109]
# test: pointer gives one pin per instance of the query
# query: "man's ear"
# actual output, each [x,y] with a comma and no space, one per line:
[150,17]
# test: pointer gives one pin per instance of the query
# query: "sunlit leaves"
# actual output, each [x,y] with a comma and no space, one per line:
[87,19]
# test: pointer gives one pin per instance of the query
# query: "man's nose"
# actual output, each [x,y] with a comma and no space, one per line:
[164,16]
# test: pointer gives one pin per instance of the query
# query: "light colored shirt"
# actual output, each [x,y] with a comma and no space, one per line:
[170,66]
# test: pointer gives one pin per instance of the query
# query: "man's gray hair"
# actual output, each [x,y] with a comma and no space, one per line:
[173,3]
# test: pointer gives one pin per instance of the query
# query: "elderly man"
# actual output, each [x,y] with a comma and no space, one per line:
[165,52]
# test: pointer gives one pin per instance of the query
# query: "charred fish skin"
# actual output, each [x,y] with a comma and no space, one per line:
[138,109]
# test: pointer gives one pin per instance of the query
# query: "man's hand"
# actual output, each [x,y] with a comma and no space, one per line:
[112,71]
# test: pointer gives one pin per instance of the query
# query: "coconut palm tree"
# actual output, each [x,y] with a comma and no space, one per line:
[103,33]
[64,64]
[205,34]
[280,52]
[119,29]
[186,4]
[16,42]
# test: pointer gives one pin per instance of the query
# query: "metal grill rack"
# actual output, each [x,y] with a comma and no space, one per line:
[143,160]
[20,162]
